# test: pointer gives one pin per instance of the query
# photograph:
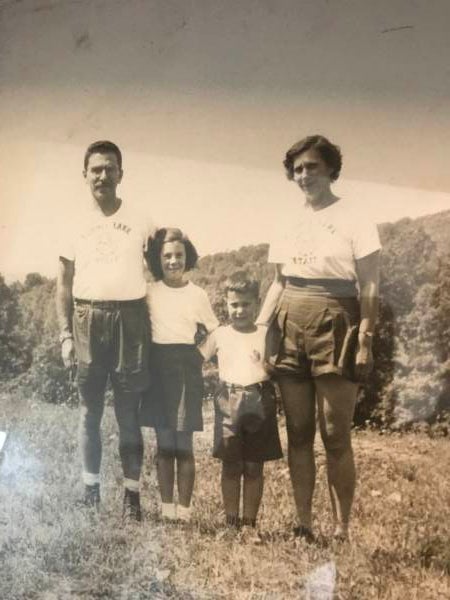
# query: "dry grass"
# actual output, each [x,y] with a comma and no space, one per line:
[50,549]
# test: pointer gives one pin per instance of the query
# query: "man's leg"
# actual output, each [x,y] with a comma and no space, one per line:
[336,399]
[299,406]
[91,389]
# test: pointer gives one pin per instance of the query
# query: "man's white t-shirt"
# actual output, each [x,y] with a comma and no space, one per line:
[108,253]
[324,244]
[240,355]
[175,312]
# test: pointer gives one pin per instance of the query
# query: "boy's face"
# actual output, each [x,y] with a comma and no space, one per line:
[242,307]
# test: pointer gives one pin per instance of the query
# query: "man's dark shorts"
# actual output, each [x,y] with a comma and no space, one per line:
[111,338]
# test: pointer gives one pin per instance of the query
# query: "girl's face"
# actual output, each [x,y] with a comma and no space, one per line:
[173,263]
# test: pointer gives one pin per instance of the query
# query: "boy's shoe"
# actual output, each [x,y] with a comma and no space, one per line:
[233,522]
[250,535]
[92,496]
[131,506]
[304,533]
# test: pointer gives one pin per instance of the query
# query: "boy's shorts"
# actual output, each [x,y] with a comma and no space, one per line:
[313,334]
[246,423]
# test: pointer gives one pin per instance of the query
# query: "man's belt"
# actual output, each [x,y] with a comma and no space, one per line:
[108,304]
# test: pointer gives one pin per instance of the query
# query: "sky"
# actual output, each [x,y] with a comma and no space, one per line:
[204,97]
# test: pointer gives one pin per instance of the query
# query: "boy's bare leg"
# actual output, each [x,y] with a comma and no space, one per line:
[253,490]
[231,488]
[185,467]
[299,399]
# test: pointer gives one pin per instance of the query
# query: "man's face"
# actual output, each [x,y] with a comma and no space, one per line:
[103,175]
[242,308]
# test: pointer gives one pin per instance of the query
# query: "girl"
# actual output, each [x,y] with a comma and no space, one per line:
[174,402]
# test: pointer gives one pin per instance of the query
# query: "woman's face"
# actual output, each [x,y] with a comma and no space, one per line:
[173,263]
[312,174]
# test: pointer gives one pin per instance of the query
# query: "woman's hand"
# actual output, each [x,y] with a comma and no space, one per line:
[364,357]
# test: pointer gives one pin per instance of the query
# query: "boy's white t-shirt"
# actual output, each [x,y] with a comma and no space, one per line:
[175,312]
[108,253]
[240,355]
[324,244]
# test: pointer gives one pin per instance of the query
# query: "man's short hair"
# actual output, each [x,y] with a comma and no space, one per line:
[161,237]
[102,147]
[243,283]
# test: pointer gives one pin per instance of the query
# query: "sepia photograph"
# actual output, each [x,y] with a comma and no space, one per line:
[224,300]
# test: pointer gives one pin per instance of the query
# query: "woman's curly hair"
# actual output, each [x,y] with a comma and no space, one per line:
[330,154]
[155,244]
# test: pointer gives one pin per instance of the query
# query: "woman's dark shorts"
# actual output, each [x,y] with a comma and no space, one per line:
[111,339]
[175,395]
[246,423]
[313,334]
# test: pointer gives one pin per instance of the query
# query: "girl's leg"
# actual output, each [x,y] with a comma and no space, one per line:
[185,468]
[165,466]
[231,489]
[336,399]
[253,489]
[299,406]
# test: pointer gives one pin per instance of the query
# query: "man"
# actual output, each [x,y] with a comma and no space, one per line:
[103,318]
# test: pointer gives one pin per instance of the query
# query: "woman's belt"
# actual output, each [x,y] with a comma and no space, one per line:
[342,288]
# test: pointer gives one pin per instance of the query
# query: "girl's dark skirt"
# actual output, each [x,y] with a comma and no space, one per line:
[174,398]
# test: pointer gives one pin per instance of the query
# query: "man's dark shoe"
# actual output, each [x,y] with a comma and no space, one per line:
[131,506]
[92,496]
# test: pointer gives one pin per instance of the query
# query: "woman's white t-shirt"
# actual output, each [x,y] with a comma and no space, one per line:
[324,244]
[175,312]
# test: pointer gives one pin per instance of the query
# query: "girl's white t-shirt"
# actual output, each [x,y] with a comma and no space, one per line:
[240,355]
[325,244]
[175,312]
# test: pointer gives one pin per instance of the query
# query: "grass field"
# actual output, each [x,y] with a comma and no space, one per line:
[51,549]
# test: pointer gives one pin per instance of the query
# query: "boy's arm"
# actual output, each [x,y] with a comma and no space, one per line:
[271,299]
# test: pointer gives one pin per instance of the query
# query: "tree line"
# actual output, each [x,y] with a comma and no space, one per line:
[411,378]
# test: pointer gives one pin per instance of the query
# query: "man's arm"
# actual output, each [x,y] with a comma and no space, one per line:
[64,304]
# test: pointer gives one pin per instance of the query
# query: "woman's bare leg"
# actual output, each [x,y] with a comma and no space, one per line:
[336,399]
[299,406]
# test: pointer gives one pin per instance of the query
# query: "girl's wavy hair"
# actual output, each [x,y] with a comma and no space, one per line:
[155,244]
[330,154]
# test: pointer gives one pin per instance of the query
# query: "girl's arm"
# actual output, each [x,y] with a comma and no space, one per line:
[368,273]
[271,299]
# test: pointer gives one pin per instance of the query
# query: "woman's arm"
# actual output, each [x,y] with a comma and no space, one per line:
[271,299]
[368,273]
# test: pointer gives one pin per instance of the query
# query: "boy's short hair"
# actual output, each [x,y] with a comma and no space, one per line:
[103,147]
[242,283]
[155,244]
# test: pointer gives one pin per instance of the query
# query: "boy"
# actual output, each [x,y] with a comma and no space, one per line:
[246,432]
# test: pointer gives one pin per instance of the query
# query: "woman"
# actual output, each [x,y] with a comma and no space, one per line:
[322,308]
